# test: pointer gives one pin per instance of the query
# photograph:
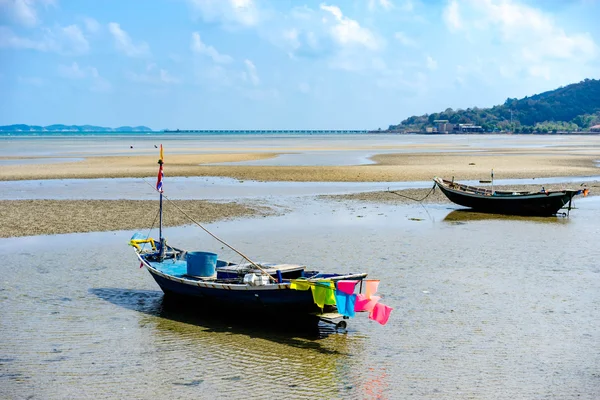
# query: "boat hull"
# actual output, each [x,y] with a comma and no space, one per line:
[534,204]
[274,298]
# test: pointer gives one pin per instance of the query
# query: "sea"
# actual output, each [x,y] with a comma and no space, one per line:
[485,306]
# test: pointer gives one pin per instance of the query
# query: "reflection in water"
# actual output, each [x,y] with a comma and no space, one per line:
[239,353]
[467,215]
[280,329]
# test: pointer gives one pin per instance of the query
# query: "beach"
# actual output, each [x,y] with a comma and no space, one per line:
[484,306]
[407,166]
[365,158]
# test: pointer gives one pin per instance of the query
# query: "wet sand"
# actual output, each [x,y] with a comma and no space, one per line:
[48,217]
[390,167]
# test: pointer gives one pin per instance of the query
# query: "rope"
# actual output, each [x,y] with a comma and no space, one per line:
[213,235]
[410,198]
[151,227]
[420,201]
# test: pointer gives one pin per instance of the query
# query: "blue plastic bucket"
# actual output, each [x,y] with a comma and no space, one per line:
[201,263]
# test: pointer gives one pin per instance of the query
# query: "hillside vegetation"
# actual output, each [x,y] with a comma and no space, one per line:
[572,108]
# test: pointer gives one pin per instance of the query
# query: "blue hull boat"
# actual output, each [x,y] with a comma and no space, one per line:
[272,288]
[262,286]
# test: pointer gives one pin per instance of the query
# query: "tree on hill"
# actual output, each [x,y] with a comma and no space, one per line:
[570,108]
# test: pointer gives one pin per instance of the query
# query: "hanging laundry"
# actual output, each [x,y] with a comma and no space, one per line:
[345,303]
[365,304]
[346,286]
[299,284]
[323,293]
[371,286]
[381,313]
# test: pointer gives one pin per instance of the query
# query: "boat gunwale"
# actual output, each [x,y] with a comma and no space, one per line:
[233,286]
[473,191]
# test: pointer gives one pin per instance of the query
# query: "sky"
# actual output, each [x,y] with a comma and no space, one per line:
[283,64]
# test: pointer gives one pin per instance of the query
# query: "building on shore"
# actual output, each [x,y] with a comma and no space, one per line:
[595,128]
[467,128]
[442,126]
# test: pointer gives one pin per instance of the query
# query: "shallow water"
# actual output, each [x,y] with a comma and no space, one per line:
[310,145]
[486,307]
[214,188]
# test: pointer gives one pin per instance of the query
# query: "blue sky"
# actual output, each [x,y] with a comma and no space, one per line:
[283,64]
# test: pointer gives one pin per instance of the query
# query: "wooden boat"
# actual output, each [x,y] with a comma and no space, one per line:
[543,203]
[266,287]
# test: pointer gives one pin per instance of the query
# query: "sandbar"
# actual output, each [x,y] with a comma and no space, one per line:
[388,168]
[48,217]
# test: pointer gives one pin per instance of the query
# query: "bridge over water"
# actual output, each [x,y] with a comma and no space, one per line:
[252,131]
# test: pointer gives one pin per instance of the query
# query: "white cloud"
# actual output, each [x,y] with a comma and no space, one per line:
[91,25]
[530,37]
[431,63]
[385,4]
[68,40]
[540,71]
[251,71]
[124,43]
[229,12]
[348,32]
[304,87]
[199,47]
[24,11]
[405,40]
[154,75]
[8,39]
[452,16]
[90,74]
[72,71]
[75,37]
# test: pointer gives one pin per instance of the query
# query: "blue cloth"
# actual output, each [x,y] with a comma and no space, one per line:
[345,303]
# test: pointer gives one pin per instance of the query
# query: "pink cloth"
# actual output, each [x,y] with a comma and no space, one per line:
[381,313]
[346,286]
[365,304]
[371,287]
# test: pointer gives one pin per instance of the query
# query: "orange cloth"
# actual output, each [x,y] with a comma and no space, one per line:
[371,286]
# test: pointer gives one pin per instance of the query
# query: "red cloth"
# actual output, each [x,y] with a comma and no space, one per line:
[381,313]
[365,304]
[346,286]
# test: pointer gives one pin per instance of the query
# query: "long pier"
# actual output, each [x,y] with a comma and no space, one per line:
[253,131]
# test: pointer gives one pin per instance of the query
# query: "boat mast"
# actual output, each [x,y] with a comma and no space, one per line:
[159,187]
[160,210]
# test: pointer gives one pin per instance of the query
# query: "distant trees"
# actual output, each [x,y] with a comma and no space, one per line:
[567,109]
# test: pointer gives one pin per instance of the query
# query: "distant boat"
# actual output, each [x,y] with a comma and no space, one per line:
[281,290]
[543,203]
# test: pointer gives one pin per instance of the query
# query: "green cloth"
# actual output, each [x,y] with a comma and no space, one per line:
[324,293]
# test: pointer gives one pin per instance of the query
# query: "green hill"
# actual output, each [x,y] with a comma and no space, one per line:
[572,108]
